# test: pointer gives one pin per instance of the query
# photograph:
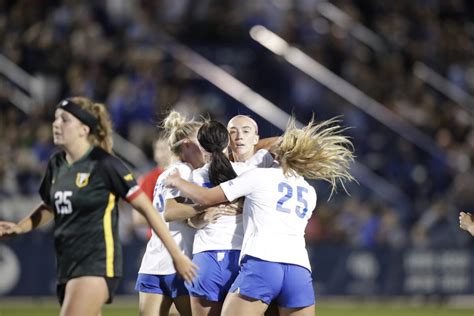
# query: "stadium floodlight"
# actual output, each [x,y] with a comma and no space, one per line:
[269,111]
[345,90]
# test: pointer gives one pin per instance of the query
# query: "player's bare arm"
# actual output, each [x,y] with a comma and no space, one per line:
[195,192]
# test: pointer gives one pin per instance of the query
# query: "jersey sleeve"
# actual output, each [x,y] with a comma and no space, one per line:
[240,186]
[46,183]
[119,178]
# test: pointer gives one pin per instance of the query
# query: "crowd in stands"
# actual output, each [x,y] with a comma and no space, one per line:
[113,51]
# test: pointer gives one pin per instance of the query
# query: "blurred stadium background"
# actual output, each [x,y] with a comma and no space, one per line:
[400,73]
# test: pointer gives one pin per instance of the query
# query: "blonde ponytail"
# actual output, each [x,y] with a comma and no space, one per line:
[317,151]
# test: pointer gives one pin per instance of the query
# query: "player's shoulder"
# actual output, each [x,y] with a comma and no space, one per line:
[104,158]
[203,171]
[183,168]
[262,158]
[241,167]
[100,154]
[268,176]
[263,174]
[262,153]
[57,157]
[107,162]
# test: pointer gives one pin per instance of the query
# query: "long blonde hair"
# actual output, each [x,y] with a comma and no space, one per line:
[102,136]
[177,128]
[316,151]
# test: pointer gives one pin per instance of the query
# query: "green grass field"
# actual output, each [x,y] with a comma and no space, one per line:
[128,308]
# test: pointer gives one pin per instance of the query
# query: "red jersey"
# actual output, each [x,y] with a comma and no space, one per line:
[147,184]
[147,181]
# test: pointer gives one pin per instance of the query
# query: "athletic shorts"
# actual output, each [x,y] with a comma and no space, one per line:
[290,285]
[170,285]
[217,270]
[112,284]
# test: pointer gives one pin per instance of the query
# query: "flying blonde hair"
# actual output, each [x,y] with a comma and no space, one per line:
[316,151]
[102,136]
[177,129]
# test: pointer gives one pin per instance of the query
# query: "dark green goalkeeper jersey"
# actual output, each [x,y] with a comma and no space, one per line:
[84,197]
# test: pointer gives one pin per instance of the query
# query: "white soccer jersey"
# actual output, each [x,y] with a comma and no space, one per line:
[261,159]
[227,232]
[276,212]
[157,259]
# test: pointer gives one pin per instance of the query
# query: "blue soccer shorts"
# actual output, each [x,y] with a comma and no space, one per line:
[170,285]
[290,285]
[216,273]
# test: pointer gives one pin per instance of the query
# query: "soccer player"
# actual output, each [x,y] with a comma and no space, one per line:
[158,284]
[217,244]
[80,190]
[278,204]
[466,222]
[244,140]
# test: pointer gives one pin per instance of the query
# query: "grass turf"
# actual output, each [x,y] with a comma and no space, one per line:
[321,310]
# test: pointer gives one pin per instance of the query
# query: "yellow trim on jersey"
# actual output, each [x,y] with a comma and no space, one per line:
[128,177]
[109,237]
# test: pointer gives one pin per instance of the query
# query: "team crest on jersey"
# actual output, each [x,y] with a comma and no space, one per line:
[82,179]
[128,177]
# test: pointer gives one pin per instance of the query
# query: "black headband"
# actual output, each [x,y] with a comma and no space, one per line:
[83,115]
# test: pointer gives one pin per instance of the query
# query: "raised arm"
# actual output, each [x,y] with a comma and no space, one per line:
[41,215]
[198,194]
[183,264]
